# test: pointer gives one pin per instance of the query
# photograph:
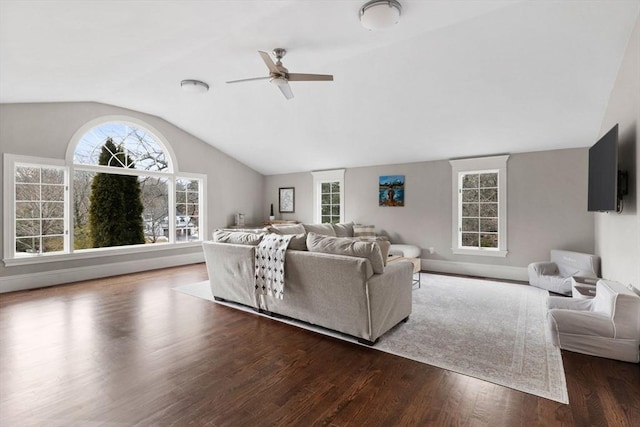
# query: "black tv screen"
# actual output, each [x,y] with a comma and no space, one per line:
[603,173]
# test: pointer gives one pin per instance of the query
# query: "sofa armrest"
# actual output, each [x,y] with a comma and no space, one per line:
[231,271]
[581,323]
[543,268]
[390,297]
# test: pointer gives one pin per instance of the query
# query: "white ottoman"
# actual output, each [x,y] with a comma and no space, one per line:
[406,251]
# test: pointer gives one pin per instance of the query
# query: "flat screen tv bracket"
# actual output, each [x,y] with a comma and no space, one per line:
[623,188]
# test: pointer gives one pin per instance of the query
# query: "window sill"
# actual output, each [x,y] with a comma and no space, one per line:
[480,252]
[97,253]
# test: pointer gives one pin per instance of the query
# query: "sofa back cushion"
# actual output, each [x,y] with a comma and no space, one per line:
[298,241]
[576,263]
[322,229]
[344,229]
[348,247]
[237,237]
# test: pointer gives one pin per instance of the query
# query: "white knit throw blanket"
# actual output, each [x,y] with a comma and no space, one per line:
[270,255]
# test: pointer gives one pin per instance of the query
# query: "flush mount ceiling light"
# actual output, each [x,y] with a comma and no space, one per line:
[379,14]
[195,86]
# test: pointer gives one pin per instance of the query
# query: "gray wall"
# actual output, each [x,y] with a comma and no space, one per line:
[45,130]
[547,205]
[617,236]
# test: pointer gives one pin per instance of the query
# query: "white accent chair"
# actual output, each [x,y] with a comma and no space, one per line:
[606,326]
[555,275]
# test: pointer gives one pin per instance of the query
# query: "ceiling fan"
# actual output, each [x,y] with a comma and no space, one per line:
[280,76]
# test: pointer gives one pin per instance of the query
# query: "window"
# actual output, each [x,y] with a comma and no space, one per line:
[118,189]
[40,196]
[479,206]
[328,196]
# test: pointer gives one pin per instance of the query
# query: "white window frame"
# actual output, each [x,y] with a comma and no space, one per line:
[319,178]
[478,165]
[10,258]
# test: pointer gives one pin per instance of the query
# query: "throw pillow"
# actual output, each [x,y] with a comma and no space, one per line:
[343,229]
[298,241]
[237,237]
[323,229]
[364,231]
[348,247]
[385,246]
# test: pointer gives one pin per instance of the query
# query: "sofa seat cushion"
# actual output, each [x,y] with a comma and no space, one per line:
[407,251]
[348,247]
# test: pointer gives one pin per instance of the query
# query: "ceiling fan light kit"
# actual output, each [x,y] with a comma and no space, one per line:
[194,86]
[379,14]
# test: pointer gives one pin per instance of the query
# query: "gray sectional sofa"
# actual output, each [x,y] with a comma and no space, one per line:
[351,293]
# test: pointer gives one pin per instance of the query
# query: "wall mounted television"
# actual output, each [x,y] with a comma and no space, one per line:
[607,185]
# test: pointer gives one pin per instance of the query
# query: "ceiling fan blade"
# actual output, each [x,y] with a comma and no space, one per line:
[297,77]
[269,62]
[286,90]
[248,80]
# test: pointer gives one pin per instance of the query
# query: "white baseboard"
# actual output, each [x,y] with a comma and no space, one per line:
[56,277]
[473,269]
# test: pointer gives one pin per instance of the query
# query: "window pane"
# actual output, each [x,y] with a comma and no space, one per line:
[187,222]
[326,199]
[326,209]
[489,209]
[335,199]
[52,176]
[27,210]
[470,209]
[27,174]
[181,197]
[53,244]
[54,226]
[53,192]
[53,210]
[469,195]
[469,224]
[27,192]
[489,180]
[29,245]
[325,187]
[27,227]
[335,210]
[155,199]
[470,181]
[489,225]
[489,195]
[489,240]
[470,239]
[81,193]
[139,149]
[326,219]
[335,219]
[335,187]
[192,197]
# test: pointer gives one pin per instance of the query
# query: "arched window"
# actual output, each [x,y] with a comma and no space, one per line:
[120,188]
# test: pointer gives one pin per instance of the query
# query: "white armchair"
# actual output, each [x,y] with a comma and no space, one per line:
[606,326]
[555,275]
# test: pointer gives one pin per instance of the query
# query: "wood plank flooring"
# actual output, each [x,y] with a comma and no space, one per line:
[128,350]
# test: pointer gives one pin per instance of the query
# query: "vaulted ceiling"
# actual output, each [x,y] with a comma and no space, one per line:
[451,79]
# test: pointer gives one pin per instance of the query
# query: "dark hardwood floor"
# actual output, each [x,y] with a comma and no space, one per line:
[128,350]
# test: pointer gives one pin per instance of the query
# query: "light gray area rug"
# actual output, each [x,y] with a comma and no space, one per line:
[488,330]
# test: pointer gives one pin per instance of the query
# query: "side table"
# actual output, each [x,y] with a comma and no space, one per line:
[583,287]
[416,266]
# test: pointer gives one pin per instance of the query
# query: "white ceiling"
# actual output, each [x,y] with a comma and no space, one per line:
[452,79]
